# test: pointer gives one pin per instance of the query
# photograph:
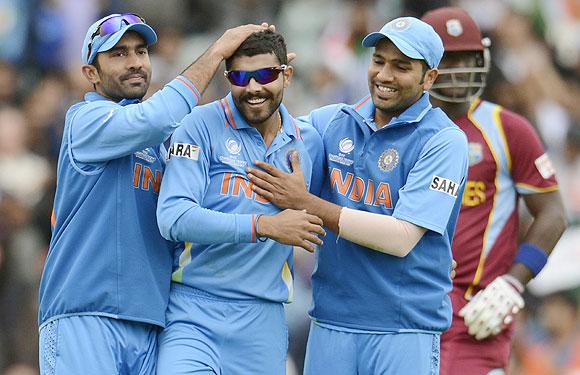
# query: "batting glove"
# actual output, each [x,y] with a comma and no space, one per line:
[494,307]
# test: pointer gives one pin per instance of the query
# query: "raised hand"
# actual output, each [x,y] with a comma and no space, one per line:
[229,42]
[292,227]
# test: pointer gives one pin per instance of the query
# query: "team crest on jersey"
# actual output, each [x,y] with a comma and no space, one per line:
[183,150]
[346,145]
[444,185]
[454,27]
[289,153]
[388,160]
[544,166]
[475,153]
[233,146]
[144,155]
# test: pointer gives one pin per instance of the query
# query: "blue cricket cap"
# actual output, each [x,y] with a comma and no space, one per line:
[413,37]
[105,43]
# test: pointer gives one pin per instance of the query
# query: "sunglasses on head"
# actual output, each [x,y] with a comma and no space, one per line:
[113,24]
[262,76]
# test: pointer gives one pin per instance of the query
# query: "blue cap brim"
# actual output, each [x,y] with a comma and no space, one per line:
[146,32]
[372,39]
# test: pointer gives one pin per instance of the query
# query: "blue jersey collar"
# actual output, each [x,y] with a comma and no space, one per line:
[414,113]
[237,121]
[93,96]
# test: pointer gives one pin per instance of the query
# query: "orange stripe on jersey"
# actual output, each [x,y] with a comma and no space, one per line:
[231,115]
[361,103]
[189,86]
[297,130]
[225,114]
[53,219]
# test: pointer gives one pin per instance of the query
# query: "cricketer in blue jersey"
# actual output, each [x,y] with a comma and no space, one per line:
[392,192]
[225,313]
[105,285]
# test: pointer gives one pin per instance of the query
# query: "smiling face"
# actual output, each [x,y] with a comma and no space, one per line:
[395,81]
[257,102]
[124,71]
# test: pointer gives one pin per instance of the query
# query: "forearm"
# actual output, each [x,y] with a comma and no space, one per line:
[325,210]
[204,68]
[378,232]
[548,225]
[204,226]
[103,130]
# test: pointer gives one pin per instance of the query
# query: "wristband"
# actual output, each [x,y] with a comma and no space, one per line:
[259,238]
[532,256]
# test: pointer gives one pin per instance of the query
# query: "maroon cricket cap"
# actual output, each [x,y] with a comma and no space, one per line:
[456,28]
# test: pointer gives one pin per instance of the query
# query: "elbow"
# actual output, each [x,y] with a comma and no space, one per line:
[402,252]
[395,250]
[165,230]
[165,226]
[561,222]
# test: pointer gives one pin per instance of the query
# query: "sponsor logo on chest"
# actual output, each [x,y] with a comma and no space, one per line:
[345,147]
[234,149]
[145,155]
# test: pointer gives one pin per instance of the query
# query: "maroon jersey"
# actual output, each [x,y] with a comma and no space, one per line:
[506,159]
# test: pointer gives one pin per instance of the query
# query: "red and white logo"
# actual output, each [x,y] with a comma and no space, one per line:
[544,166]
[454,27]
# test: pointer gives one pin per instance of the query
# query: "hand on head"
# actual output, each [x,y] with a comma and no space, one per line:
[229,42]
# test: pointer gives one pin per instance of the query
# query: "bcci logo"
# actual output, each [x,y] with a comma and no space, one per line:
[233,146]
[454,27]
[346,145]
[400,25]
[388,160]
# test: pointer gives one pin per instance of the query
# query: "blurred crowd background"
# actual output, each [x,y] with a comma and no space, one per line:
[536,72]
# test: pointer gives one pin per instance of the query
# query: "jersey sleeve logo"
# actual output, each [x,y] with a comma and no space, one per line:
[544,166]
[445,185]
[183,150]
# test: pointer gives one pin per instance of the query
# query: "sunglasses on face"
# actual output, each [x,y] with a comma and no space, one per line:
[262,76]
[113,24]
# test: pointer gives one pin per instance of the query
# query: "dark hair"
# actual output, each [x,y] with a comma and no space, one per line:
[261,42]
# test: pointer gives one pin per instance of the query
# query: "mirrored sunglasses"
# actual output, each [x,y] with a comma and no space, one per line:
[113,24]
[262,76]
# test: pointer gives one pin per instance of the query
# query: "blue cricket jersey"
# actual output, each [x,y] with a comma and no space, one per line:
[106,254]
[412,169]
[206,200]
